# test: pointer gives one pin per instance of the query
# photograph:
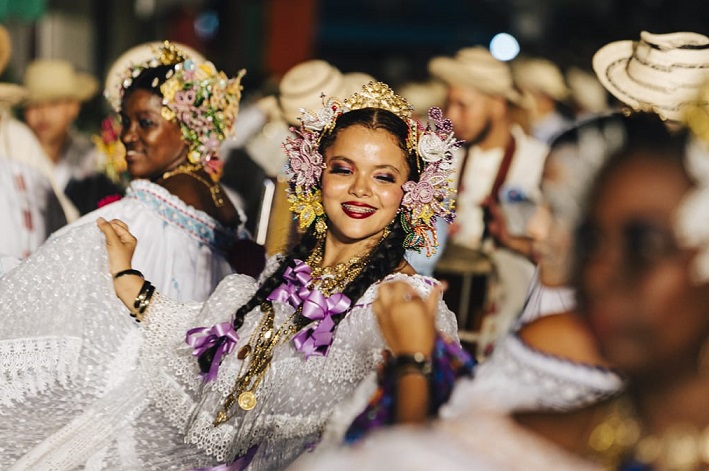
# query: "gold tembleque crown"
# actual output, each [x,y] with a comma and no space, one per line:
[379,95]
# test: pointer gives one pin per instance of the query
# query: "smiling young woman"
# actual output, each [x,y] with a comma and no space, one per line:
[367,182]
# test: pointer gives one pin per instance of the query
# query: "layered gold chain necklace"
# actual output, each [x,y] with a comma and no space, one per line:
[257,354]
[188,168]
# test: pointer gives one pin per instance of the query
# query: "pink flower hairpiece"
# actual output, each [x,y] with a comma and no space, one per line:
[200,98]
[424,201]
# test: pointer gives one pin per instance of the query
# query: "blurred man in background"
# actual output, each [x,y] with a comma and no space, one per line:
[56,92]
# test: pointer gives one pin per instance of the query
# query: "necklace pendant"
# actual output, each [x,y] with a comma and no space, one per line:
[247,400]
[243,352]
[221,417]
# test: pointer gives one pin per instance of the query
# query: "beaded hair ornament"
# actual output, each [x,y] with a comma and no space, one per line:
[433,144]
[201,99]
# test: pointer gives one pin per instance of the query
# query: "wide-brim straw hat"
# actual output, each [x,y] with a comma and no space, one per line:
[540,75]
[304,84]
[56,79]
[10,94]
[476,68]
[140,55]
[660,72]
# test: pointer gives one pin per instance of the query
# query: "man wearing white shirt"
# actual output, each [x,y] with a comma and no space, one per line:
[497,154]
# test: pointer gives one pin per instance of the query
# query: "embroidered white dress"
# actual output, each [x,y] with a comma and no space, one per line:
[68,349]
[181,250]
[484,440]
[101,392]
[517,377]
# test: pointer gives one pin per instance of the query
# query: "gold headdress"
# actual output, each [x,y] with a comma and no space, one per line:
[423,201]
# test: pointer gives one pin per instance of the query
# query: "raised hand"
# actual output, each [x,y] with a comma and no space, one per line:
[120,244]
[407,322]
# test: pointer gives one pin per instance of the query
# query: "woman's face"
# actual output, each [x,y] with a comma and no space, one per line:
[634,280]
[153,144]
[550,228]
[361,183]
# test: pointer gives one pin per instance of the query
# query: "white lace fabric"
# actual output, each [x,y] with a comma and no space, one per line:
[295,397]
[519,378]
[82,386]
[68,345]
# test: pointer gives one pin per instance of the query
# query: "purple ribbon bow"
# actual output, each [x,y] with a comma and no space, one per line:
[294,289]
[316,339]
[202,339]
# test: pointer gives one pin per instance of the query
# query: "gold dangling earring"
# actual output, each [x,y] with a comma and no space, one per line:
[320,228]
[386,232]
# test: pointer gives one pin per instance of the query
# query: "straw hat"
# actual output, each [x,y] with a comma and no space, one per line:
[142,55]
[10,94]
[661,72]
[354,81]
[303,85]
[540,75]
[587,91]
[475,67]
[424,95]
[54,79]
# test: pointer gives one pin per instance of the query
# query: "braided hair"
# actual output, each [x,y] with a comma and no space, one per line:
[384,259]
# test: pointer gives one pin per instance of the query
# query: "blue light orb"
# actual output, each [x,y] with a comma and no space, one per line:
[504,47]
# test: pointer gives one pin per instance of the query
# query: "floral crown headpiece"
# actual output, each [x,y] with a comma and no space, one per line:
[433,144]
[201,99]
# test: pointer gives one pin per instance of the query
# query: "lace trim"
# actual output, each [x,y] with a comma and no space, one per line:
[518,378]
[29,366]
[173,210]
[295,397]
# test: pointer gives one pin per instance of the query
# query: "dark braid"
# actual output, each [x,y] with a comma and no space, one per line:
[384,259]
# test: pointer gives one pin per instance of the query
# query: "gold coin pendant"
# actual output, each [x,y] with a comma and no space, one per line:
[247,400]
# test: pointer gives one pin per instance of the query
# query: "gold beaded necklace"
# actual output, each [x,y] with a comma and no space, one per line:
[188,168]
[258,352]
[619,437]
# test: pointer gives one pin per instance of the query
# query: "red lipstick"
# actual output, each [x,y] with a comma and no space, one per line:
[358,210]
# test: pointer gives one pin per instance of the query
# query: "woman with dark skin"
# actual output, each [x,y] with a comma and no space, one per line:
[64,354]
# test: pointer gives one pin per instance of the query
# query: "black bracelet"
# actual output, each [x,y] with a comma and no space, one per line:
[142,301]
[129,271]
[417,363]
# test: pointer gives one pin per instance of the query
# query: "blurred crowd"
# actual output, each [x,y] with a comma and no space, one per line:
[576,266]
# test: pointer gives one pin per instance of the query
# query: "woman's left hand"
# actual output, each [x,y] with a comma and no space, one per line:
[120,244]
[407,322]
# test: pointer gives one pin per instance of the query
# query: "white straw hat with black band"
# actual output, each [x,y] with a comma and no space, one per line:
[660,72]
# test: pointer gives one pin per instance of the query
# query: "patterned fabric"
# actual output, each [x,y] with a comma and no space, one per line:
[482,440]
[283,424]
[90,388]
[519,378]
[181,250]
[449,361]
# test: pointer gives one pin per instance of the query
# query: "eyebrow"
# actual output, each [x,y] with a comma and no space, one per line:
[377,167]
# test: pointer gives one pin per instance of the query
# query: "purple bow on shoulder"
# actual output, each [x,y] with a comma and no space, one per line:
[316,339]
[294,288]
[221,335]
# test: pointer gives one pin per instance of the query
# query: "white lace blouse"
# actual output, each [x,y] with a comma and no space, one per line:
[115,395]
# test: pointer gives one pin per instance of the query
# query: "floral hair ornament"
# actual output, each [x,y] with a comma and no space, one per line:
[691,223]
[197,96]
[423,202]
